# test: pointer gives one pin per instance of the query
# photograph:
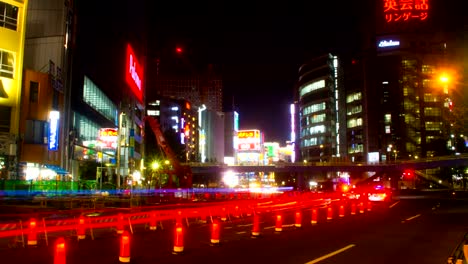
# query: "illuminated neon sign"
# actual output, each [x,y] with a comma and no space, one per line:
[134,74]
[248,140]
[389,43]
[405,10]
[108,137]
[54,117]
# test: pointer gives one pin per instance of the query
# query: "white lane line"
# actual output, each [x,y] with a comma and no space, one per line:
[228,227]
[241,232]
[330,254]
[244,225]
[393,204]
[413,217]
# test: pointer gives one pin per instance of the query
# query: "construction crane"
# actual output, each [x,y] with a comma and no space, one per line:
[183,172]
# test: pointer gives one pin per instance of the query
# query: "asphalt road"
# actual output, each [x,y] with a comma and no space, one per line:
[402,231]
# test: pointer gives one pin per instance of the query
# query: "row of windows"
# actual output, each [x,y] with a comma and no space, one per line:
[313,108]
[433,126]
[8,16]
[355,122]
[313,141]
[94,97]
[7,63]
[312,87]
[354,97]
[432,111]
[352,110]
[87,130]
[313,130]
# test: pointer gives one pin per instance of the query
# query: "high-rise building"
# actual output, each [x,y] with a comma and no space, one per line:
[12,35]
[318,100]
[397,105]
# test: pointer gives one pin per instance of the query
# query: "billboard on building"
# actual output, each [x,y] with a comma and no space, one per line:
[134,74]
[400,11]
[248,140]
[108,137]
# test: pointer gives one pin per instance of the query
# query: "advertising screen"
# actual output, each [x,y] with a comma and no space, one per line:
[108,137]
[134,74]
[248,140]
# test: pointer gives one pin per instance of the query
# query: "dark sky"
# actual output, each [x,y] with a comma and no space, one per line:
[260,45]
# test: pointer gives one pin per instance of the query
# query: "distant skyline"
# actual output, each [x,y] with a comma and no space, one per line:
[260,46]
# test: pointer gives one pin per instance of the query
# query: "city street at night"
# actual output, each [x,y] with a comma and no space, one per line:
[411,230]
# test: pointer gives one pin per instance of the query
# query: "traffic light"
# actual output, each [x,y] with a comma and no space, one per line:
[179,50]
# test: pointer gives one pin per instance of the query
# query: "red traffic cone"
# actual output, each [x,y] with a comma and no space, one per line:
[60,253]
[124,255]
[32,235]
[314,217]
[215,230]
[342,211]
[298,219]
[329,213]
[153,222]
[178,239]
[256,225]
[279,223]
[81,228]
[361,207]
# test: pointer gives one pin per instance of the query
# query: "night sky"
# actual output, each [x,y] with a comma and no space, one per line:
[260,45]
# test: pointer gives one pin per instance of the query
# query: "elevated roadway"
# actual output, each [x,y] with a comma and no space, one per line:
[420,164]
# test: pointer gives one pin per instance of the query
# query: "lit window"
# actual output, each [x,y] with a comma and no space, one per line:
[7,63]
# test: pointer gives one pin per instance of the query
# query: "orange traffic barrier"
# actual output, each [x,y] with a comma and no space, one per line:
[353,208]
[60,253]
[32,235]
[178,239]
[81,228]
[369,206]
[256,226]
[314,217]
[361,207]
[298,219]
[124,255]
[215,229]
[329,213]
[279,223]
[120,223]
[342,211]
[153,221]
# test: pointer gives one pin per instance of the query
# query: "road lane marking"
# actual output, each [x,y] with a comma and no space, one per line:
[241,232]
[244,225]
[411,218]
[331,254]
[228,227]
[393,204]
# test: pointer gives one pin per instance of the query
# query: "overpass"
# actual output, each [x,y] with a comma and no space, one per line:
[299,167]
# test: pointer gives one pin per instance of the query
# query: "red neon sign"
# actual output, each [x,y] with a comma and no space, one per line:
[134,74]
[405,10]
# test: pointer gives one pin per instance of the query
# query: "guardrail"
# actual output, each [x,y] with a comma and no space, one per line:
[151,215]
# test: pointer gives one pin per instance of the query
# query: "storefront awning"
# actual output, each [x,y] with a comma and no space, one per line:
[57,169]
